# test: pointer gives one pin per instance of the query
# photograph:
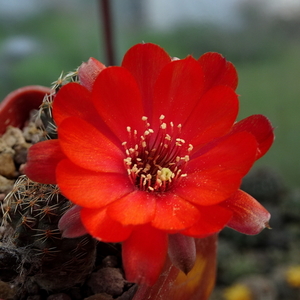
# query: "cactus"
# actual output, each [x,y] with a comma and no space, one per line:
[31,212]
[44,118]
[32,247]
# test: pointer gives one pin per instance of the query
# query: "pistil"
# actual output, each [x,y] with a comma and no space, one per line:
[155,161]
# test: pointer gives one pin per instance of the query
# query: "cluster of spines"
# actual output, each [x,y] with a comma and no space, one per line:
[45,117]
[33,210]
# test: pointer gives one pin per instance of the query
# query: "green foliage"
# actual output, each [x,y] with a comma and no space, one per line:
[248,44]
[272,88]
[64,37]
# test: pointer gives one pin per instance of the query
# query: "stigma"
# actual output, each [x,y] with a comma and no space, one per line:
[155,161]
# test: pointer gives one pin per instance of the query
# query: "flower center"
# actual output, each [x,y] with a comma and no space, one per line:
[155,161]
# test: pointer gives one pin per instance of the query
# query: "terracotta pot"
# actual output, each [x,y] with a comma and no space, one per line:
[172,284]
[15,107]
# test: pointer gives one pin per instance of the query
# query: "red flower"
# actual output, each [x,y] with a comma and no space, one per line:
[151,155]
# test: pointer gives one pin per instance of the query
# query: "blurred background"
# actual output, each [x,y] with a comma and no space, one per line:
[40,39]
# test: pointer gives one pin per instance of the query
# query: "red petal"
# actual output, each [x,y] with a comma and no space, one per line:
[70,223]
[218,71]
[74,100]
[213,117]
[249,216]
[144,254]
[102,227]
[261,128]
[182,252]
[42,161]
[88,148]
[173,213]
[91,189]
[216,175]
[135,208]
[145,62]
[212,220]
[117,98]
[177,90]
[88,72]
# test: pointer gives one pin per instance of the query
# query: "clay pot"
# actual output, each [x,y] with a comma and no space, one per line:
[172,284]
[15,108]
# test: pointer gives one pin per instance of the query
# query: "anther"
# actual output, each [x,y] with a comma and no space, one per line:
[155,162]
[163,126]
[186,158]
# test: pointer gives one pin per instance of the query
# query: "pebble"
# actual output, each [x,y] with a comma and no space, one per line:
[59,296]
[21,151]
[13,137]
[110,261]
[6,292]
[6,186]
[7,165]
[102,296]
[34,297]
[107,280]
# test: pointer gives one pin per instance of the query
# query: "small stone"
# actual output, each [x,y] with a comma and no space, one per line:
[75,293]
[34,297]
[33,134]
[3,146]
[110,261]
[107,280]
[59,296]
[102,296]
[32,287]
[13,137]
[6,292]
[6,185]
[7,165]
[21,150]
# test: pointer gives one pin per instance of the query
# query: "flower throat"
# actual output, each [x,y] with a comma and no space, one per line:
[155,161]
